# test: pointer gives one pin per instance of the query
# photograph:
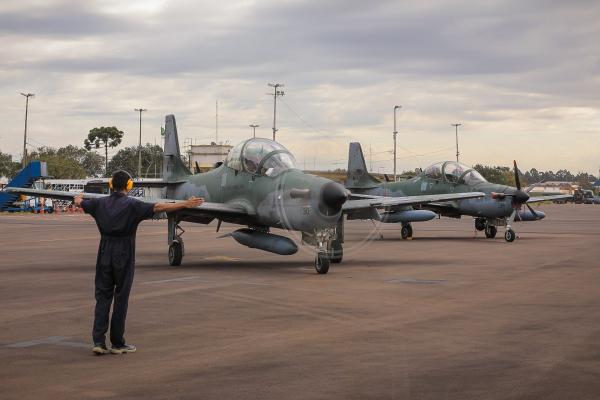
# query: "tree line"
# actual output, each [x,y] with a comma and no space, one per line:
[72,162]
[506,176]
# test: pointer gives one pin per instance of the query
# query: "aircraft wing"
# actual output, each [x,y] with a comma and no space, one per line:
[365,201]
[538,199]
[212,209]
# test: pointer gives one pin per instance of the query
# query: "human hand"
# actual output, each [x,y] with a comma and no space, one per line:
[193,202]
[78,199]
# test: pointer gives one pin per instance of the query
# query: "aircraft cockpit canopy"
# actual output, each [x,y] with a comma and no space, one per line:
[260,157]
[454,172]
[434,171]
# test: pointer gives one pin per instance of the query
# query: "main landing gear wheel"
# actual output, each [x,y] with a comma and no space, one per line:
[322,262]
[490,231]
[175,253]
[509,235]
[479,224]
[406,231]
[337,252]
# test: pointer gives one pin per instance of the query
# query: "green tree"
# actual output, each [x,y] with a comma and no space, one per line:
[8,167]
[103,137]
[127,159]
[59,166]
[91,162]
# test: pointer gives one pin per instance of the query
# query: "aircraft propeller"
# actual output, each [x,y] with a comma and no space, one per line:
[520,197]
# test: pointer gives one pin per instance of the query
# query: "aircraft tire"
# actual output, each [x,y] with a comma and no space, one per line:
[509,235]
[337,252]
[322,263]
[480,224]
[490,231]
[405,232]
[175,253]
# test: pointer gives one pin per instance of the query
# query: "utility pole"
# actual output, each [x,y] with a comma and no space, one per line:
[276,93]
[217,122]
[27,96]
[456,131]
[395,134]
[140,110]
[253,126]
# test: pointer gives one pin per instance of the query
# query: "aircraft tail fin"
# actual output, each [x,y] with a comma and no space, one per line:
[174,170]
[358,176]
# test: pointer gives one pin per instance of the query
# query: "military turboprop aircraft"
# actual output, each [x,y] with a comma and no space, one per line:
[501,206]
[259,186]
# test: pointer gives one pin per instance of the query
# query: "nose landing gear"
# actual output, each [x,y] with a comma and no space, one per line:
[490,227]
[509,235]
[329,248]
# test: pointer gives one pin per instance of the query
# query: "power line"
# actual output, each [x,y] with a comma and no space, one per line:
[301,119]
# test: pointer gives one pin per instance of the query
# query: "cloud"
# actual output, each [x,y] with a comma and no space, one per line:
[515,74]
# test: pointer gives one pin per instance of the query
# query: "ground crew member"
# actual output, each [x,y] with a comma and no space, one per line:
[117,217]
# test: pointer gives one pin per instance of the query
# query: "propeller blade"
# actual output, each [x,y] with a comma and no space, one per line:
[532,211]
[517,179]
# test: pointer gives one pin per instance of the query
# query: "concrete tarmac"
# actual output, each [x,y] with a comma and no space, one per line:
[448,315]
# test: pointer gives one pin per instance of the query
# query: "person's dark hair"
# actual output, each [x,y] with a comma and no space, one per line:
[119,180]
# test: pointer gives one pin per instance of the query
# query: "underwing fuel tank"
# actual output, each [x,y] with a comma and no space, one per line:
[528,215]
[264,241]
[407,216]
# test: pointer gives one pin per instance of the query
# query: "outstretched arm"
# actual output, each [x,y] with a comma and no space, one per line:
[169,207]
[78,199]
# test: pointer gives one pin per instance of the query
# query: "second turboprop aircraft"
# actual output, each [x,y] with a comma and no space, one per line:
[501,206]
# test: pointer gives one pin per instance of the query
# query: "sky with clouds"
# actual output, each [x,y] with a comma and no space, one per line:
[522,77]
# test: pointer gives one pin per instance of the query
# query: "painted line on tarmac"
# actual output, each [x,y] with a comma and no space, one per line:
[182,279]
[52,340]
[221,258]
[417,281]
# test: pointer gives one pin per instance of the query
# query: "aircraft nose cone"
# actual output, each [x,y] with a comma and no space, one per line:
[334,195]
[521,197]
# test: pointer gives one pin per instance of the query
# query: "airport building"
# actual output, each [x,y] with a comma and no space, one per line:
[562,187]
[207,155]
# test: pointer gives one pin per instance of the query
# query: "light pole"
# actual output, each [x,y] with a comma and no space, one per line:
[140,110]
[275,94]
[456,131]
[253,126]
[27,96]
[395,134]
